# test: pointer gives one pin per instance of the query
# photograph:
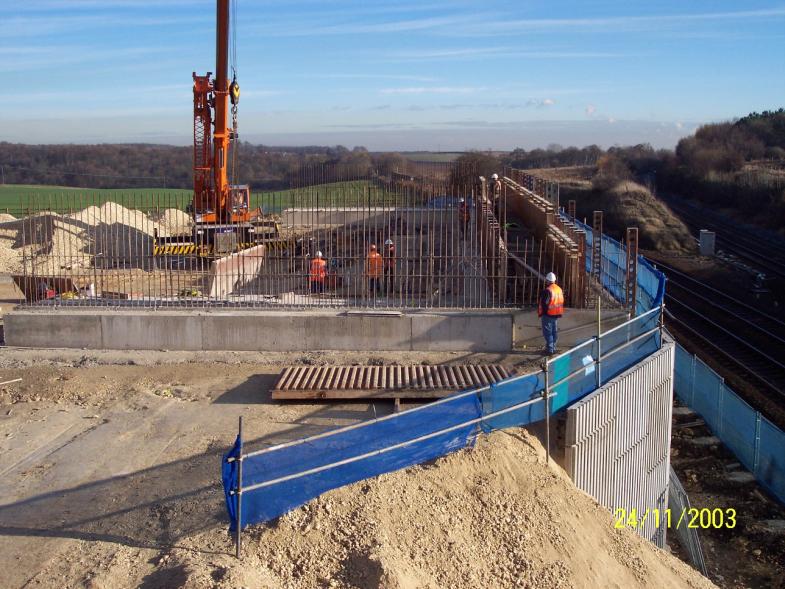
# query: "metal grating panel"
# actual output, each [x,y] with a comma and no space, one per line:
[618,440]
[356,382]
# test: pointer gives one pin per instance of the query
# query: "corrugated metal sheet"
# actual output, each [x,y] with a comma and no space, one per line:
[618,440]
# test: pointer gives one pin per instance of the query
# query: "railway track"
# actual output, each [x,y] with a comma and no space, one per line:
[744,344]
[760,249]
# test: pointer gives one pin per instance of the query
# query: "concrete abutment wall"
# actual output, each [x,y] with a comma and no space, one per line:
[257,330]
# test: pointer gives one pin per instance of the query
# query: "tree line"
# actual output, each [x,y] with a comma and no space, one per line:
[167,166]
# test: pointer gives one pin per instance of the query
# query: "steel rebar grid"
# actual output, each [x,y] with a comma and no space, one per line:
[131,257]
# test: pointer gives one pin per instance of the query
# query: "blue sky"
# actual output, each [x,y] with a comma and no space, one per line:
[393,75]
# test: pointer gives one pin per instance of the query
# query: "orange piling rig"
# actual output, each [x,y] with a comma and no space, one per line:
[215,200]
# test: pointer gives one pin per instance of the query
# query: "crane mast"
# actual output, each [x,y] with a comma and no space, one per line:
[215,200]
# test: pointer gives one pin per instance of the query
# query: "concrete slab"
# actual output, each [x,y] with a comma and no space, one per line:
[707,441]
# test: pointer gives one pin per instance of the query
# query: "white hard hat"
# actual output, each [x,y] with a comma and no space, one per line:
[550,277]
[388,242]
[495,176]
[319,255]
[461,200]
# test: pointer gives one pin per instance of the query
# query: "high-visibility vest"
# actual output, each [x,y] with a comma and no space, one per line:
[374,265]
[556,305]
[318,270]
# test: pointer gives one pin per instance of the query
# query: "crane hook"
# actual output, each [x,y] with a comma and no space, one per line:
[234,91]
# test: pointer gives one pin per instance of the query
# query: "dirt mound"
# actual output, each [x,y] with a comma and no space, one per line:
[659,228]
[493,516]
[628,204]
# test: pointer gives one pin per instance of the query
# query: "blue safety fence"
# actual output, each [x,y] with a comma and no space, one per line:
[754,440]
[650,290]
[275,480]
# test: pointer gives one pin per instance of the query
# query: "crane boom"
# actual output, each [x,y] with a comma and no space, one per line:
[215,201]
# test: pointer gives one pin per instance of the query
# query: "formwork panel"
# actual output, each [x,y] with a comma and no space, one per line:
[618,440]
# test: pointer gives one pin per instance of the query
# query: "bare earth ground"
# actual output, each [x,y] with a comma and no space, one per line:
[110,478]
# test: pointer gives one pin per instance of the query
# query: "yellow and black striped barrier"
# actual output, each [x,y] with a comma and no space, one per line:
[174,249]
[184,249]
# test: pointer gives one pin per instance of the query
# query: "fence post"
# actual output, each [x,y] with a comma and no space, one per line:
[239,539]
[545,393]
[692,380]
[599,341]
[756,453]
[720,405]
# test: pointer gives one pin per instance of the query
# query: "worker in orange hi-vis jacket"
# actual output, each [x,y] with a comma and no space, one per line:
[550,307]
[374,270]
[318,273]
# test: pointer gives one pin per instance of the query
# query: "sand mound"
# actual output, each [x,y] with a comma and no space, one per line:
[175,222]
[48,243]
[90,216]
[493,516]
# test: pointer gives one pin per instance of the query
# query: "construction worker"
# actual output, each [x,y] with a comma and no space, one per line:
[549,309]
[389,265]
[496,187]
[318,273]
[464,216]
[374,269]
[496,197]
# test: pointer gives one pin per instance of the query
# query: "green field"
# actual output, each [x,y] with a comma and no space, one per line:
[20,199]
[432,156]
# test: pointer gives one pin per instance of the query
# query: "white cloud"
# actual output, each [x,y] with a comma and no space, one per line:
[590,110]
[432,90]
[613,23]
[369,77]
